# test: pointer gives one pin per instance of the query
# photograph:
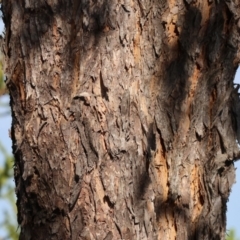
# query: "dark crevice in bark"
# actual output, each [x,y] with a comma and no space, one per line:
[108,201]
[143,183]
[221,143]
[104,90]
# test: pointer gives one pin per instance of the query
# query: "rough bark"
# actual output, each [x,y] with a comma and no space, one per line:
[125,116]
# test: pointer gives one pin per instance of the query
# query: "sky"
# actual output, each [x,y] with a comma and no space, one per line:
[233,212]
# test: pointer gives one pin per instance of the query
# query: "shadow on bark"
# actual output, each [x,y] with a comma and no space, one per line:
[176,82]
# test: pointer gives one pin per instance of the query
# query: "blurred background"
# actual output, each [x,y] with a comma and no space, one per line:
[9,229]
[8,220]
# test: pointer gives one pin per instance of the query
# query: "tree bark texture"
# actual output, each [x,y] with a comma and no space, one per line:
[125,116]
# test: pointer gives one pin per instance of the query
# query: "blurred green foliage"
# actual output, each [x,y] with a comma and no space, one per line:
[9,223]
[231,235]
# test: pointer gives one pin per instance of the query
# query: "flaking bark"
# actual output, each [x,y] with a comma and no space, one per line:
[125,117]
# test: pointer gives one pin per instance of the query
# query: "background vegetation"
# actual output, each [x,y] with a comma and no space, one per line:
[8,225]
[231,235]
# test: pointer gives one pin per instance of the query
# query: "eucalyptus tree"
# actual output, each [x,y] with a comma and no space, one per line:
[125,116]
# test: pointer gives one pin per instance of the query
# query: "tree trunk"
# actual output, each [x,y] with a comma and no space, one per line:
[125,117]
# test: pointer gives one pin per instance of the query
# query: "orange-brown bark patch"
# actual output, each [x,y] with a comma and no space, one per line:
[136,45]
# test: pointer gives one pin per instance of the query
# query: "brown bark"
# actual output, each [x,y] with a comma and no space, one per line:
[125,117]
